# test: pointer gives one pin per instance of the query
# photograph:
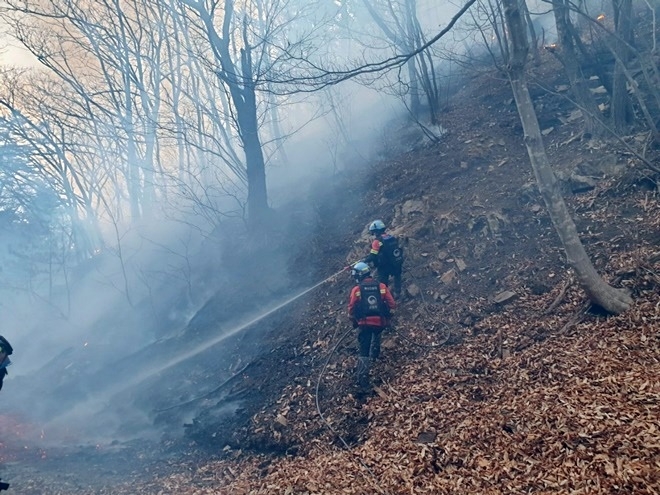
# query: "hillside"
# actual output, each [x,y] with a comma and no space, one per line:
[497,377]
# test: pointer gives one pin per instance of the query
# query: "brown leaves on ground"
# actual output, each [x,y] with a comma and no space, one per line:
[576,412]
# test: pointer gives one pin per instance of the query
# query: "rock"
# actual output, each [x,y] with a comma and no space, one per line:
[412,206]
[460,264]
[581,183]
[448,276]
[574,115]
[436,267]
[426,437]
[413,290]
[505,297]
[611,166]
[281,420]
[589,169]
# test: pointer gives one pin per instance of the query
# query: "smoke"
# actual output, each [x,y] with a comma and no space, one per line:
[154,320]
[140,326]
[333,137]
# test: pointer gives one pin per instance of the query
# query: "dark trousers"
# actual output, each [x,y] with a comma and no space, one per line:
[384,274]
[369,341]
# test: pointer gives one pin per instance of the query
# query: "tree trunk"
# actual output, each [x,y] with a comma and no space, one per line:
[415,104]
[599,292]
[621,106]
[243,95]
[257,200]
[567,55]
[532,33]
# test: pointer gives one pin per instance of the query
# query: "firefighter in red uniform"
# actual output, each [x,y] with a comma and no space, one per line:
[386,255]
[370,306]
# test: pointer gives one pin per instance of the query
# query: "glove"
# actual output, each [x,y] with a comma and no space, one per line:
[354,322]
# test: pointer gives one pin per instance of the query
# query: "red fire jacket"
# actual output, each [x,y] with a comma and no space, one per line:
[376,321]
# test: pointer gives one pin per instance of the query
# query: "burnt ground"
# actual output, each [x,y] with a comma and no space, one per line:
[491,309]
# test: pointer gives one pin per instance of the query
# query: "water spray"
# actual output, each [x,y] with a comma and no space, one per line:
[98,403]
[204,346]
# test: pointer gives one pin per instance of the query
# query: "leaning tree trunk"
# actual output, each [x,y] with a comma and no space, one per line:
[609,298]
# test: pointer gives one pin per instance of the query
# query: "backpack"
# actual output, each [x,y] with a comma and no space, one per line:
[371,302]
[390,253]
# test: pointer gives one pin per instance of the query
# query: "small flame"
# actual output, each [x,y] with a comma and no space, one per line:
[600,18]
[551,47]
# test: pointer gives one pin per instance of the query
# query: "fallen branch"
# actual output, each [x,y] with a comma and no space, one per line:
[576,318]
[560,296]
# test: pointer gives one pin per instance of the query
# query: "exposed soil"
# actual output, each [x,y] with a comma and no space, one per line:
[476,392]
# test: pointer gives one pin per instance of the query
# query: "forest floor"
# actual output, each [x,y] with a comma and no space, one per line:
[497,376]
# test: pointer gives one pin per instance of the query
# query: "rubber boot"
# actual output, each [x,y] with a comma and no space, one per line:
[363,372]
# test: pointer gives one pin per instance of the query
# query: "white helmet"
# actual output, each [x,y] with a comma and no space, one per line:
[377,227]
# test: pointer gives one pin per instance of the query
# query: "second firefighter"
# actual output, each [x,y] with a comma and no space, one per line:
[370,307]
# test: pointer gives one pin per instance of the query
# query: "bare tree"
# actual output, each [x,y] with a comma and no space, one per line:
[611,299]
[401,33]
[488,20]
[49,156]
[236,69]
[42,233]
[203,174]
